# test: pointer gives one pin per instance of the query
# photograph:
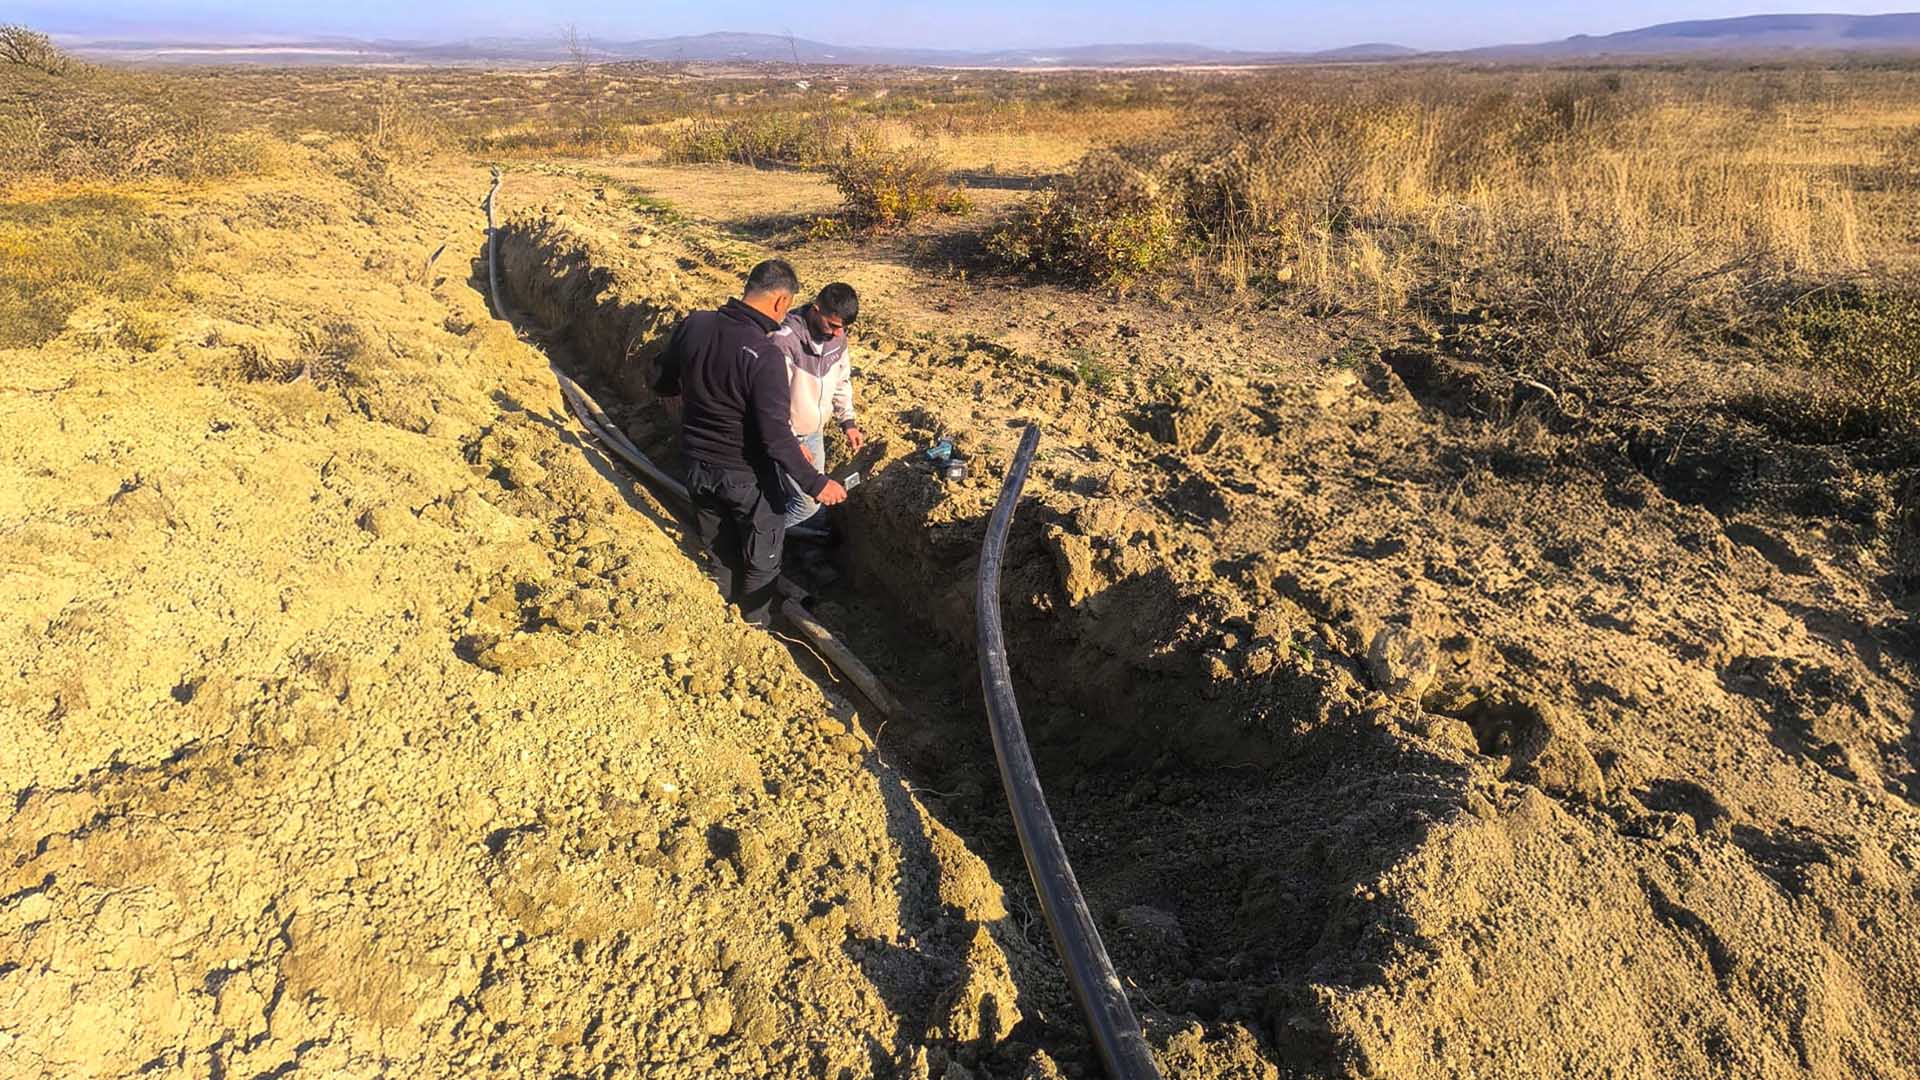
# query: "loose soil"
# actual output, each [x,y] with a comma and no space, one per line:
[370,721]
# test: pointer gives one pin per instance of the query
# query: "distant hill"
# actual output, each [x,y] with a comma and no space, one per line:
[720,47]
[1751,34]
[1746,34]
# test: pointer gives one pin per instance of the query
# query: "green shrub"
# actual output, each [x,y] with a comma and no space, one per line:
[885,187]
[1866,345]
[1109,223]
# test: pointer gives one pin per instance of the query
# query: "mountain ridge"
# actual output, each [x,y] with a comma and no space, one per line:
[1738,35]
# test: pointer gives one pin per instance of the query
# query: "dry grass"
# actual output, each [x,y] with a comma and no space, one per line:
[1340,198]
[1568,225]
[59,253]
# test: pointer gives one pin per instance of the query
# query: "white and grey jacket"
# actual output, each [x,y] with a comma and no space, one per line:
[819,379]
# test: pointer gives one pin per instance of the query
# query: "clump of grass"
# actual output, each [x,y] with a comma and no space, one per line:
[826,227]
[1092,372]
[886,187]
[335,354]
[1865,347]
[143,331]
[58,254]
[1165,381]
[256,363]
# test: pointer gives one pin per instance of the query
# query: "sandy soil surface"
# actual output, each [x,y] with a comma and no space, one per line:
[368,722]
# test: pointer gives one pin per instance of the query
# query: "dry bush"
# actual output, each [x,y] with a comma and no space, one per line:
[1592,289]
[885,187]
[1900,160]
[111,126]
[335,354]
[401,129]
[32,49]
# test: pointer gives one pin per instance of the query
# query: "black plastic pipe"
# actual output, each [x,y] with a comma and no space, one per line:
[1110,1019]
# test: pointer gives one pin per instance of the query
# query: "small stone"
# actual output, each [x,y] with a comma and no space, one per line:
[1073,559]
[508,656]
[1401,662]
[1450,732]
[567,616]
[1153,934]
[683,855]
[847,745]
[716,1015]
[385,522]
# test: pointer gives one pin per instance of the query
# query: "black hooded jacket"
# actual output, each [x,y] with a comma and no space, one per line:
[733,382]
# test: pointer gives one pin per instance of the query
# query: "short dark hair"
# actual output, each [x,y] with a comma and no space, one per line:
[774,275]
[839,299]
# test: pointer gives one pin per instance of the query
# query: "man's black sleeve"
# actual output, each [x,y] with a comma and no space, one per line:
[773,413]
[666,379]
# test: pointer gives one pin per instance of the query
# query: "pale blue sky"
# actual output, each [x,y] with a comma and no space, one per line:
[1286,24]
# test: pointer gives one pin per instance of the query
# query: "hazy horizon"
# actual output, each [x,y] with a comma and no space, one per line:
[1284,26]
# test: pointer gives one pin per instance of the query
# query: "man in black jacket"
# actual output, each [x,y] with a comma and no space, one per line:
[736,434]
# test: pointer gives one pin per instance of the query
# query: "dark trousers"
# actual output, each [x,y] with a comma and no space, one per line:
[742,530]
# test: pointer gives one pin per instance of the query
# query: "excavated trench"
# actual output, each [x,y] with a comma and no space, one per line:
[1219,853]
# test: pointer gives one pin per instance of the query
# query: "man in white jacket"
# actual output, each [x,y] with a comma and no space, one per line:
[814,340]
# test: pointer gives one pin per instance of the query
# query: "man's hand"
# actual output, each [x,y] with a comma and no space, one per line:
[831,495]
[856,439]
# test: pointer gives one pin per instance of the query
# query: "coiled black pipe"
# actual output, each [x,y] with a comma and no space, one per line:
[1110,1019]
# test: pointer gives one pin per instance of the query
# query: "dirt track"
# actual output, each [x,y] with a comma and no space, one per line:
[372,724]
